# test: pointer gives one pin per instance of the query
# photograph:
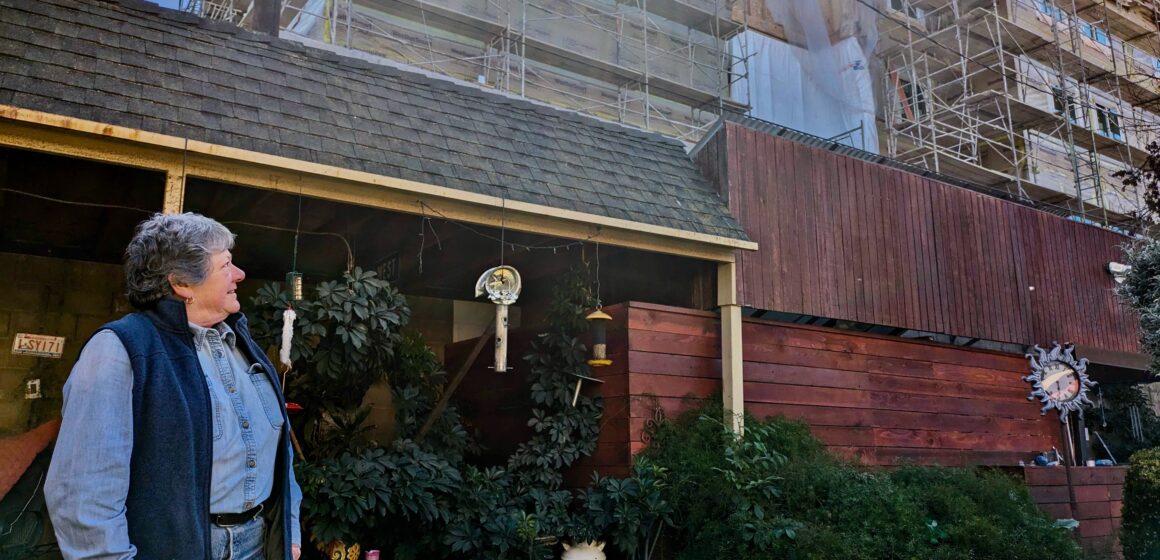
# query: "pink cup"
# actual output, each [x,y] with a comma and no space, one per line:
[372,555]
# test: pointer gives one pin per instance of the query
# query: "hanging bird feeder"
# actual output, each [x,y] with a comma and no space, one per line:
[502,286]
[294,284]
[598,325]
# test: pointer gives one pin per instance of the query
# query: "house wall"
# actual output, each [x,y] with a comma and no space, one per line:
[848,239]
[55,297]
[879,400]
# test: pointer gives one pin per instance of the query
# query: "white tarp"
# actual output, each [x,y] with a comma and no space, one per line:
[824,89]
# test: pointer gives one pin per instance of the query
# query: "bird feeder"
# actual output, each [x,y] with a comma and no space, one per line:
[294,284]
[502,286]
[598,325]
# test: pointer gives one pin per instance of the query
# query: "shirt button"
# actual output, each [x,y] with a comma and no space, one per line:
[248,505]
[246,424]
[232,389]
[217,353]
[251,463]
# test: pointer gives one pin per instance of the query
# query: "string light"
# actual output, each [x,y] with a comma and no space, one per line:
[511,245]
[345,243]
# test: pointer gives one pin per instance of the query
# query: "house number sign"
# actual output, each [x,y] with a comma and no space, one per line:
[41,345]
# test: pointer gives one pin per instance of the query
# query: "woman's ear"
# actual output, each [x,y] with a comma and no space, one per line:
[181,290]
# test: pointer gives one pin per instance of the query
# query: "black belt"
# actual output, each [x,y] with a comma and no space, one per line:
[231,519]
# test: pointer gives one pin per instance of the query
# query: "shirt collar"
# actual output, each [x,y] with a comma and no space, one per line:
[222,329]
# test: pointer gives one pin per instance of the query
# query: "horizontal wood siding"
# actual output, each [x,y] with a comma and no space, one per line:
[848,239]
[878,399]
[1099,502]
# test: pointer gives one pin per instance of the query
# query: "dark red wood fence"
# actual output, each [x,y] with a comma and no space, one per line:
[849,239]
[883,400]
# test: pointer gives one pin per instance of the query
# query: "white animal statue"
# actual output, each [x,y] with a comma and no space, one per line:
[592,550]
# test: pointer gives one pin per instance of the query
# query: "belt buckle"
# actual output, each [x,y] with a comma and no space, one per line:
[242,518]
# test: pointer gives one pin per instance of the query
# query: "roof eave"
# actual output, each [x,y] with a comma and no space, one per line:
[47,132]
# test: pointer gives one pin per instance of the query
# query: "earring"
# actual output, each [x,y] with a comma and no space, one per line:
[189,301]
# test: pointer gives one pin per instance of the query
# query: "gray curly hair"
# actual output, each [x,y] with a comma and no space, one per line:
[171,246]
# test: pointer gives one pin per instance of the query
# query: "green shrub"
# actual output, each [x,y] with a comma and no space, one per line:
[1140,534]
[775,493]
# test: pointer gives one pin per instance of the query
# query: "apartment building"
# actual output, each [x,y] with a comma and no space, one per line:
[1040,100]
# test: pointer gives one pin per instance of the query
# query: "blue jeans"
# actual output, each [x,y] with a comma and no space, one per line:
[238,542]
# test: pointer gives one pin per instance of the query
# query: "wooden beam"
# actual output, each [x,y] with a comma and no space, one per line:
[174,199]
[34,130]
[732,360]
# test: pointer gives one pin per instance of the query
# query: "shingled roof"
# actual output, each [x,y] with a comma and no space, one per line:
[133,64]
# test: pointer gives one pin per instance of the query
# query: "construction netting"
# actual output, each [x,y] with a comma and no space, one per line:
[818,80]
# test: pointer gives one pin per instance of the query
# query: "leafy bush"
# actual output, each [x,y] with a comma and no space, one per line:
[631,512]
[345,336]
[418,496]
[775,493]
[1141,290]
[1140,533]
[345,497]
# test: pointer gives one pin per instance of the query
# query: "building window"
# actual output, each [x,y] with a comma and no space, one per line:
[1109,122]
[1094,33]
[905,7]
[913,100]
[1064,104]
[1048,7]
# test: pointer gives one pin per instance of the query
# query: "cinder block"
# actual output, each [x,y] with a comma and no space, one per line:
[23,296]
[13,416]
[88,302]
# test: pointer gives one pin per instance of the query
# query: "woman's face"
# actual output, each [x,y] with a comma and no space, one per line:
[217,297]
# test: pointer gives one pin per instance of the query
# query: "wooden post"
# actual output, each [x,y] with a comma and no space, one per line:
[732,383]
[501,333]
[174,192]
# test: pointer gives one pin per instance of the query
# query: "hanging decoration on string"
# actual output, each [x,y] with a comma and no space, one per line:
[502,285]
[294,284]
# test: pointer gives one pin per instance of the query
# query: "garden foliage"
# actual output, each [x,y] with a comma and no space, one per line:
[774,493]
[1140,533]
[421,497]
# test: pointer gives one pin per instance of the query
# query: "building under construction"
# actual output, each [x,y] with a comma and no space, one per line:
[1043,99]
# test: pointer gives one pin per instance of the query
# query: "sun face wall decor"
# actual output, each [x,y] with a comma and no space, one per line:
[1059,380]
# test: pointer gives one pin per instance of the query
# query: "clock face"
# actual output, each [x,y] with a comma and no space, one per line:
[501,280]
[1060,382]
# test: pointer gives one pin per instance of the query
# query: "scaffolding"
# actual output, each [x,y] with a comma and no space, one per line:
[1043,98]
[660,65]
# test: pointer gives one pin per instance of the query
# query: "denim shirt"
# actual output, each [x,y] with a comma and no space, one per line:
[98,395]
[246,422]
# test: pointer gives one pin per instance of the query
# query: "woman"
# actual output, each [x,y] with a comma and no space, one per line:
[174,441]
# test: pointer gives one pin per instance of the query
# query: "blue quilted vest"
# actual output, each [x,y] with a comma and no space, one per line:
[169,476]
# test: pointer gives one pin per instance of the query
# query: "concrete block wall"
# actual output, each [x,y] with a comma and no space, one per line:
[1098,505]
[55,297]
